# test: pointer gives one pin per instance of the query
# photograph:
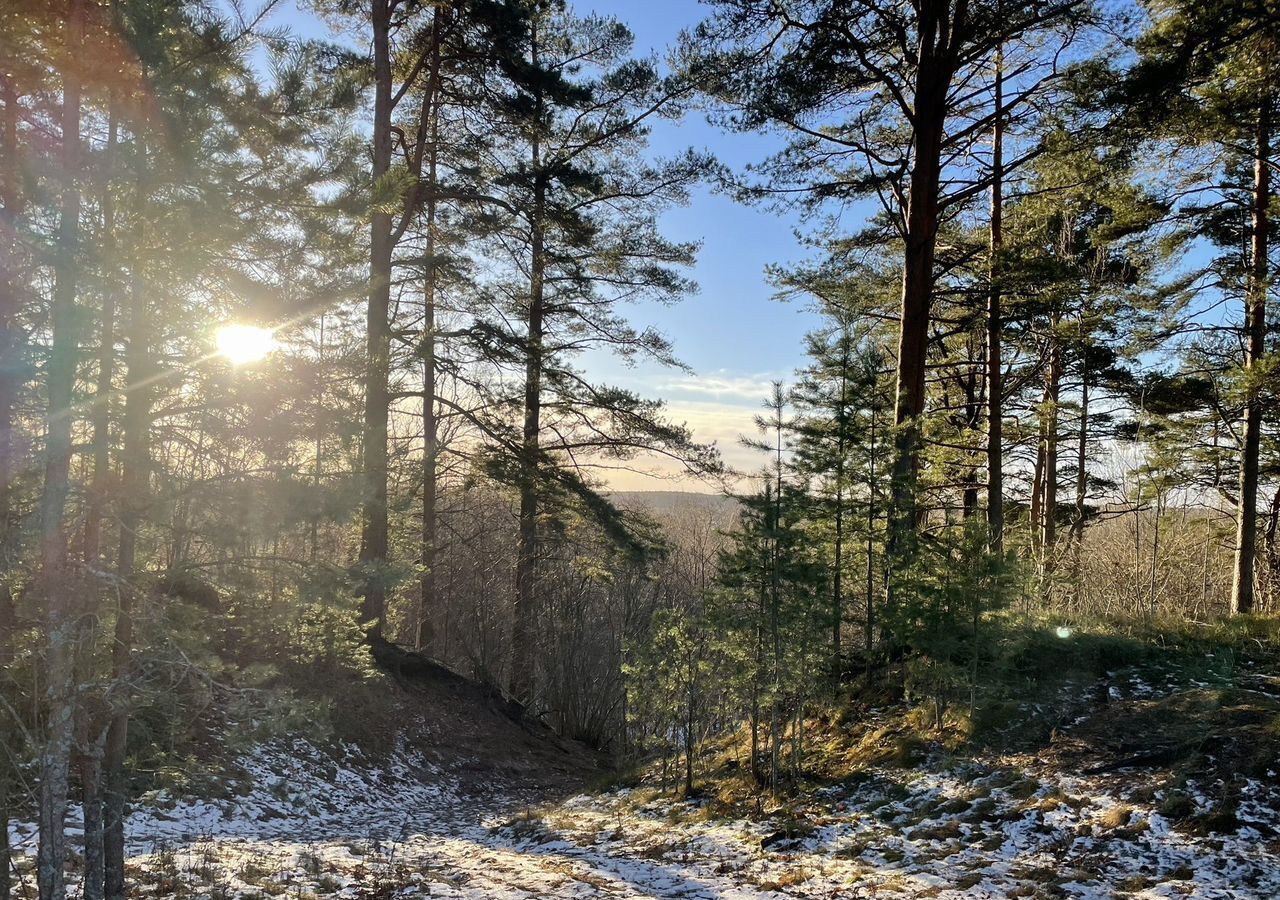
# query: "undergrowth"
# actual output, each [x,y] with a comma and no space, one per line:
[1127,683]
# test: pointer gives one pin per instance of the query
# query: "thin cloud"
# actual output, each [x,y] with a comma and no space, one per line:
[719,423]
[741,389]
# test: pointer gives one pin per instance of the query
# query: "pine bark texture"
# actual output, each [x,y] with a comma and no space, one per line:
[933,78]
[1242,588]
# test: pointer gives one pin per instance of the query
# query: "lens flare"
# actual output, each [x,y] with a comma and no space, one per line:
[244,344]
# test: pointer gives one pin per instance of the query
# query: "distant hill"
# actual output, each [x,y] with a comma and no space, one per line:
[668,502]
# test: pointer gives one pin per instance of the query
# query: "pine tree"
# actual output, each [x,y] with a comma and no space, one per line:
[1080,271]
[880,100]
[580,238]
[55,572]
[841,418]
[1204,77]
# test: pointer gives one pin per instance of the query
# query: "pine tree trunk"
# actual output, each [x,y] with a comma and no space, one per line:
[1049,508]
[757,677]
[430,426]
[869,636]
[1082,485]
[527,549]
[755,736]
[530,448]
[135,478]
[9,195]
[373,531]
[933,77]
[775,625]
[688,744]
[972,424]
[90,750]
[430,488]
[1269,541]
[101,416]
[55,572]
[995,329]
[837,575]
[9,748]
[1256,328]
[90,770]
[1137,542]
[6,889]
[1036,511]
[1155,547]
[317,472]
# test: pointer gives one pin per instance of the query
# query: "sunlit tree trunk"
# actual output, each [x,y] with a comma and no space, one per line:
[1255,335]
[58,591]
[933,78]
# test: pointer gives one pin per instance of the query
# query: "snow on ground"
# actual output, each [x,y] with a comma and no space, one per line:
[969,830]
[304,823]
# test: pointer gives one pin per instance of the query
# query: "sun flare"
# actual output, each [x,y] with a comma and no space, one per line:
[243,344]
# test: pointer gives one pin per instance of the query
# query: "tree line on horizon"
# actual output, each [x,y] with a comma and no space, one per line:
[1045,358]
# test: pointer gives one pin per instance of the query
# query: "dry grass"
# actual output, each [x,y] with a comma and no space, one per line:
[1116,817]
[784,880]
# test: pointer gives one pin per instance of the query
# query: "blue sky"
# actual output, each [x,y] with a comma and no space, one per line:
[732,333]
[734,336]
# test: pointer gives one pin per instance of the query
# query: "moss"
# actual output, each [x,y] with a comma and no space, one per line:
[993,841]
[936,831]
[1177,805]
[1133,884]
[954,806]
[1023,788]
[631,776]
[982,811]
[1222,819]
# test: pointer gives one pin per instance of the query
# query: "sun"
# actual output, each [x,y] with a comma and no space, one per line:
[244,344]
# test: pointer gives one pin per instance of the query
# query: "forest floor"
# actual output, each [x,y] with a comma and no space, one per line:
[1148,783]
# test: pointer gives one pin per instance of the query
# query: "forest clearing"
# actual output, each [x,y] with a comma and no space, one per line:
[691,448]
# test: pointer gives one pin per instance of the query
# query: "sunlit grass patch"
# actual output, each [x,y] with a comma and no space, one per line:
[789,878]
